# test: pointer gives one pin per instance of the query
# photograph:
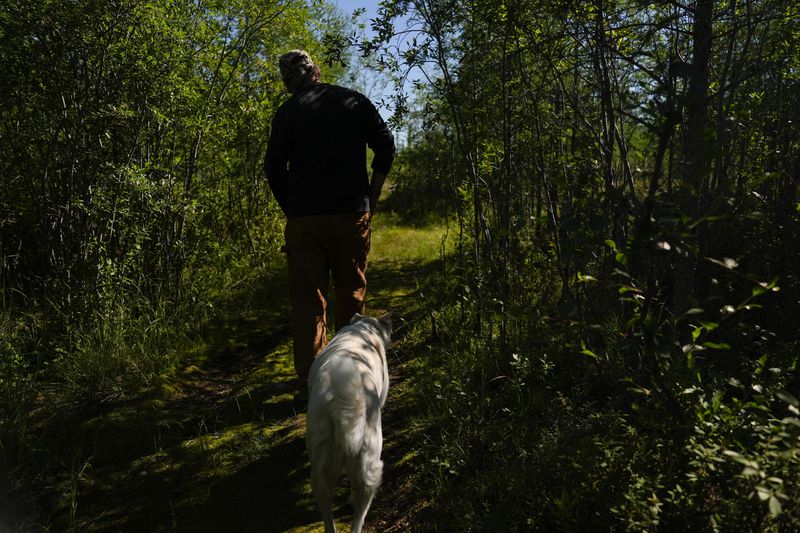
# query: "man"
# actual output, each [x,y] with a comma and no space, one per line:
[316,167]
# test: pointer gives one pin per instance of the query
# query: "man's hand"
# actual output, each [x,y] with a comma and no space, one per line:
[375,187]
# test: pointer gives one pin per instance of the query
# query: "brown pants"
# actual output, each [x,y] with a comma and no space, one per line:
[316,248]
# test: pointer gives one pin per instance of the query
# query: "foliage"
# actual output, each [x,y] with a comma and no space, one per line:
[132,197]
[18,338]
[624,177]
[422,182]
[613,342]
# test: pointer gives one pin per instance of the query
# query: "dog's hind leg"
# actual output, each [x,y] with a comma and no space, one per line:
[366,469]
[364,486]
[365,474]
[362,503]
[324,475]
[326,466]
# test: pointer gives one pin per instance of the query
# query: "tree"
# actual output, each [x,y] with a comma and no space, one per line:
[623,174]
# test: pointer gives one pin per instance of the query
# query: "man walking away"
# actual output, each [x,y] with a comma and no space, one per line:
[316,167]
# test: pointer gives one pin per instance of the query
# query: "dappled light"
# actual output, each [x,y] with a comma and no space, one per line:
[586,241]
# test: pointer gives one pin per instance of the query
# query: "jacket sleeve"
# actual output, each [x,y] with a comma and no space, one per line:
[276,161]
[379,138]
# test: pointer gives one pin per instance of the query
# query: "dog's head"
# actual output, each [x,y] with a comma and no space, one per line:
[382,325]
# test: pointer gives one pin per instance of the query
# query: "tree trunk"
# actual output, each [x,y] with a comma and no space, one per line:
[696,153]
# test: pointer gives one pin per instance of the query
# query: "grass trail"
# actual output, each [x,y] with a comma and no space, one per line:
[219,445]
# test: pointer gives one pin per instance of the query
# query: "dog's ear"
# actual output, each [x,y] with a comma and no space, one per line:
[386,322]
[356,318]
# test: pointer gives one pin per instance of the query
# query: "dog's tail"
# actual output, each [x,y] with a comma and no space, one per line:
[363,461]
[361,437]
[351,424]
[373,473]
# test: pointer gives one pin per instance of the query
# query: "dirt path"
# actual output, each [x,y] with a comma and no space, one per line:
[220,445]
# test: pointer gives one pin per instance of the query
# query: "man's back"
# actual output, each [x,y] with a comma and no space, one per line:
[322,132]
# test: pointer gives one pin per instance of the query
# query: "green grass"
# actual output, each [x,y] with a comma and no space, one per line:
[217,442]
[393,242]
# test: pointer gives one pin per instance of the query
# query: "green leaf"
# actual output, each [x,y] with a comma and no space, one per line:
[758,291]
[774,506]
[726,262]
[716,345]
[691,348]
[587,351]
[625,288]
[788,398]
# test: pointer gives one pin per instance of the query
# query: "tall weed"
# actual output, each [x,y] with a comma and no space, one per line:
[579,436]
[18,338]
[124,346]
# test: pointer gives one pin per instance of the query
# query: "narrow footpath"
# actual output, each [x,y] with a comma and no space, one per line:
[219,445]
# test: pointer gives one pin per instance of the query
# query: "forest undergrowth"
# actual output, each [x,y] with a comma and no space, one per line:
[216,440]
[606,341]
[560,438]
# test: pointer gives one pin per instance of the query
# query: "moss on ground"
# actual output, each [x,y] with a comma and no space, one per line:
[218,443]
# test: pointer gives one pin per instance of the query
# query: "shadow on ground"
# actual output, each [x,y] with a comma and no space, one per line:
[266,495]
[219,446]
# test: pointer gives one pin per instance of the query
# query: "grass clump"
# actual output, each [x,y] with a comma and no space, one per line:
[558,437]
[394,242]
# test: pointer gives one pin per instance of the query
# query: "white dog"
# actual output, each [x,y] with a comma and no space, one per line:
[347,386]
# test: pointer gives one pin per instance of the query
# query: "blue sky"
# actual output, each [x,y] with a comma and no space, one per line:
[372,85]
[348,6]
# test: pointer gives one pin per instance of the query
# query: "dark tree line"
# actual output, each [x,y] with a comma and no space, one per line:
[132,193]
[626,188]
[121,121]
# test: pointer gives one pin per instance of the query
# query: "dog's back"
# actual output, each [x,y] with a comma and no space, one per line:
[348,384]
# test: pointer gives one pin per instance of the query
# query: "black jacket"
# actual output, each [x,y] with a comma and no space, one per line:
[316,161]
